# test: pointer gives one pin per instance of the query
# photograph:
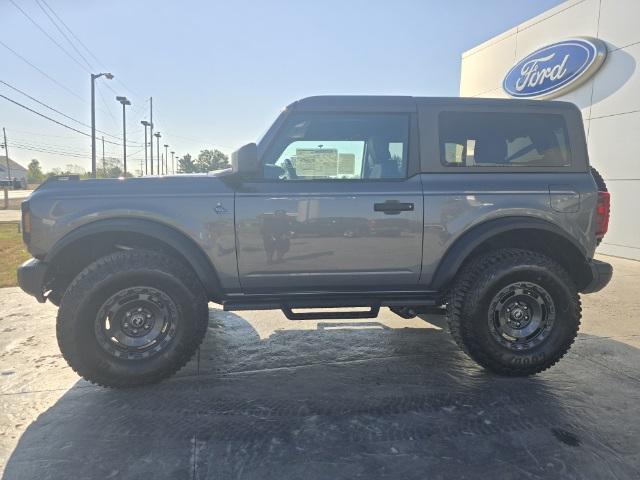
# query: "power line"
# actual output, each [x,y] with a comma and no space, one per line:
[104,102]
[50,37]
[55,110]
[135,94]
[51,152]
[70,31]
[63,49]
[42,72]
[58,147]
[52,119]
[64,35]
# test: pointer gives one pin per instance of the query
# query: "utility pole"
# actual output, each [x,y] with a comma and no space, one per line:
[93,119]
[157,135]
[151,130]
[146,171]
[124,101]
[173,164]
[6,152]
[104,166]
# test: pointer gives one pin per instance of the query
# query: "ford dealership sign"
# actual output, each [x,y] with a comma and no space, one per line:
[555,69]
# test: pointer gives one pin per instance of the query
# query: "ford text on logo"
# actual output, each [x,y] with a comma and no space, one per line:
[555,69]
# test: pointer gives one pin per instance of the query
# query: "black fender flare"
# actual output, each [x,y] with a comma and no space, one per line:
[175,239]
[463,246]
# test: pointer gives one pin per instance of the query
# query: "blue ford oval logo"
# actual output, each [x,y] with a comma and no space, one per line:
[556,68]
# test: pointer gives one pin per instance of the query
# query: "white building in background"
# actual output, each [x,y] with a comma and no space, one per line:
[12,171]
[609,98]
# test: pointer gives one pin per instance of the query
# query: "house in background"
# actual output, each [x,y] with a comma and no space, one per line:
[18,172]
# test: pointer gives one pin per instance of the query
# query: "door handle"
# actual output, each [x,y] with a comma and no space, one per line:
[393,207]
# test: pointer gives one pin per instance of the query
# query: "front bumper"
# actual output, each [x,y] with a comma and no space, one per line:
[31,278]
[601,273]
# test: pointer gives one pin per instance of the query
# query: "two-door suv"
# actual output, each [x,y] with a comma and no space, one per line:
[486,209]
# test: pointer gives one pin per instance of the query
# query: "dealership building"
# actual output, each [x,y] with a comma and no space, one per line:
[585,52]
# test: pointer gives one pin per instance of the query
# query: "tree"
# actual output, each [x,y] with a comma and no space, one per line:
[34,172]
[113,168]
[210,160]
[186,165]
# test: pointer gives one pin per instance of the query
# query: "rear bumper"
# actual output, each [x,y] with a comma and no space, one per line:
[601,273]
[31,278]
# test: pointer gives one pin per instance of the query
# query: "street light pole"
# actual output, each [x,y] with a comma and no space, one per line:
[146,170]
[124,101]
[166,159]
[173,164]
[151,131]
[93,119]
[157,135]
[104,167]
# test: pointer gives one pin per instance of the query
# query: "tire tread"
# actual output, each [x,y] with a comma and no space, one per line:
[99,271]
[472,278]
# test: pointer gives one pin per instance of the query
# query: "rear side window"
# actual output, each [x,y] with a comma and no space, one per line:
[476,139]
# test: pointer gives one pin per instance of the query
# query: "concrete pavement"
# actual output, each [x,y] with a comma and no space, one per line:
[271,398]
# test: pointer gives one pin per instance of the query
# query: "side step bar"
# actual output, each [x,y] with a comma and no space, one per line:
[416,301]
[331,315]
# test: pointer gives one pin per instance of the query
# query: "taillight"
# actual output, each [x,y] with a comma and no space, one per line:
[26,222]
[603,209]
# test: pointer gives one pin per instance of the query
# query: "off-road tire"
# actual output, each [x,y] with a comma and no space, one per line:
[601,184]
[469,305]
[602,187]
[77,335]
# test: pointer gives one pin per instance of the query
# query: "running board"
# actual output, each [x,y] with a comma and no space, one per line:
[331,315]
[286,303]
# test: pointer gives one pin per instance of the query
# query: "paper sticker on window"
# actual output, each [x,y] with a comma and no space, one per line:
[346,164]
[316,162]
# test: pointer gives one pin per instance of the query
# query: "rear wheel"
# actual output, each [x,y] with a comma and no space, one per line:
[131,318]
[515,312]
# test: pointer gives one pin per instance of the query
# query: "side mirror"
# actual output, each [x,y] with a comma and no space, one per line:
[245,160]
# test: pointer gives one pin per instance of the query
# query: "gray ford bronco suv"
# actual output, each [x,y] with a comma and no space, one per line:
[485,209]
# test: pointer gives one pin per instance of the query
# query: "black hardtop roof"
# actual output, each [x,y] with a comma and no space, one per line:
[390,103]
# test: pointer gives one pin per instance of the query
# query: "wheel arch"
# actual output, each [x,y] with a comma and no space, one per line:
[515,232]
[88,242]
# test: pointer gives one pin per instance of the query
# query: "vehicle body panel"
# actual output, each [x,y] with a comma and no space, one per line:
[283,237]
[200,207]
[319,234]
[455,203]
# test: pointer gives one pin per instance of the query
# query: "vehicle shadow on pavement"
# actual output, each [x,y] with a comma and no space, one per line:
[338,404]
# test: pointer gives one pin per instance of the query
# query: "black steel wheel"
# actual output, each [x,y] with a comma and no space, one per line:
[515,312]
[521,315]
[132,318]
[136,322]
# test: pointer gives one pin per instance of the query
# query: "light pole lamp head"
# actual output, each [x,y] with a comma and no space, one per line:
[157,135]
[123,100]
[172,153]
[166,145]
[98,75]
[145,123]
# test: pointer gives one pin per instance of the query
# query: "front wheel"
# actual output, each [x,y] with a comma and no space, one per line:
[515,312]
[131,318]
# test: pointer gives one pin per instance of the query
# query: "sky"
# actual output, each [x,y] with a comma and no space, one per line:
[219,72]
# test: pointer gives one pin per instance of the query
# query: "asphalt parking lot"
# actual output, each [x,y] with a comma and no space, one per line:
[271,398]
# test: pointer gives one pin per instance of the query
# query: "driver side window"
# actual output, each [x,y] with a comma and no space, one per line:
[339,147]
